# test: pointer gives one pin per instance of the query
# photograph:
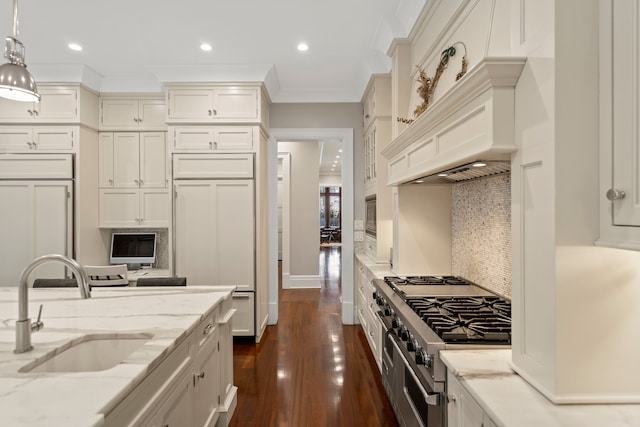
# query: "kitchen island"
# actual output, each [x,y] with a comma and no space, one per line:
[509,401]
[179,323]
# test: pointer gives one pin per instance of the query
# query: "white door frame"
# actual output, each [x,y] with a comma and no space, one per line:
[345,135]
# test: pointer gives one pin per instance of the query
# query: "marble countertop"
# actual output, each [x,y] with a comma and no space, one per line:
[379,270]
[80,399]
[511,402]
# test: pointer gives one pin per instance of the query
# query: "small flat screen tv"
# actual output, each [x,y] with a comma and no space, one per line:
[133,249]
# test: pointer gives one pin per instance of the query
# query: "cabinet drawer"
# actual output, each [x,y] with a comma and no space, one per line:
[36,166]
[243,323]
[43,138]
[198,166]
[206,329]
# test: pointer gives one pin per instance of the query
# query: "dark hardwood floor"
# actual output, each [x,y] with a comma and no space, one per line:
[310,369]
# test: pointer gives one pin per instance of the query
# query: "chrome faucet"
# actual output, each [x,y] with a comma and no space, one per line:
[24,327]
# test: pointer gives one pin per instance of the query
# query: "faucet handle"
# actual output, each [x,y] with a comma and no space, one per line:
[38,324]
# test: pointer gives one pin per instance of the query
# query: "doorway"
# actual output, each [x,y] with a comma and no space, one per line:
[345,136]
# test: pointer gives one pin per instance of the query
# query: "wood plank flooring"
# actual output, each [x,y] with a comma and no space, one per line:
[310,370]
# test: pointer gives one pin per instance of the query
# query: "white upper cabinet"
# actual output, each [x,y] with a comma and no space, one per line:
[231,104]
[214,138]
[619,124]
[18,139]
[133,160]
[132,114]
[57,105]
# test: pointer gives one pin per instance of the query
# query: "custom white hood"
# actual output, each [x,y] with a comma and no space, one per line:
[473,121]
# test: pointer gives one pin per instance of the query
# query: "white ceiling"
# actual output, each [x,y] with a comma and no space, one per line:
[136,45]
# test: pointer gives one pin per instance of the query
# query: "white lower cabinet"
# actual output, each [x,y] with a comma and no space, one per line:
[189,388]
[462,409]
[128,207]
[366,309]
[177,411]
[243,321]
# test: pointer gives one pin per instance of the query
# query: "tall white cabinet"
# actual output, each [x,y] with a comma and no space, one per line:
[217,139]
[36,214]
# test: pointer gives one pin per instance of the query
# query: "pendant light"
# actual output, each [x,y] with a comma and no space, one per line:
[15,81]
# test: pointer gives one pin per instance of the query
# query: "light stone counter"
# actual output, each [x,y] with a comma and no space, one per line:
[379,270]
[80,399]
[511,402]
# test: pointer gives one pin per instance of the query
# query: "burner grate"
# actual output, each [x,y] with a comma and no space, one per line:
[473,319]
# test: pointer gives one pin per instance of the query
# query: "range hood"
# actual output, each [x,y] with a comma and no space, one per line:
[472,122]
[466,172]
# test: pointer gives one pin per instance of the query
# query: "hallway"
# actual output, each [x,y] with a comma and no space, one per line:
[310,370]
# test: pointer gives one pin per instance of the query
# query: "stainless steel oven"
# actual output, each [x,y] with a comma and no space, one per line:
[422,315]
[414,400]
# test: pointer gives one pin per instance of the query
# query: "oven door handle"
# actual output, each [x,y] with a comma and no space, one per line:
[433,399]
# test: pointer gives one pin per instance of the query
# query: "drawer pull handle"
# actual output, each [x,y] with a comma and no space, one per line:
[207,329]
[242,296]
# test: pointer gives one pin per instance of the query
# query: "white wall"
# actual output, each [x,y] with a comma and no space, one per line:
[304,207]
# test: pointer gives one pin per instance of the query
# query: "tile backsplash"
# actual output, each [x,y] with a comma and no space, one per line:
[481,232]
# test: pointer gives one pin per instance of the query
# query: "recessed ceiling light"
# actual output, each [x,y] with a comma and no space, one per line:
[206,47]
[75,46]
[418,181]
[443,174]
[303,47]
[479,165]
[337,157]
[340,150]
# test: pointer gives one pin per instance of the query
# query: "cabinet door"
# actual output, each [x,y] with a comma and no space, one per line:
[126,159]
[15,138]
[462,409]
[53,138]
[16,110]
[231,138]
[153,160]
[57,105]
[193,138]
[119,113]
[155,208]
[119,208]
[234,218]
[232,103]
[195,231]
[151,113]
[215,232]
[194,104]
[36,222]
[206,380]
[243,323]
[177,411]
[105,143]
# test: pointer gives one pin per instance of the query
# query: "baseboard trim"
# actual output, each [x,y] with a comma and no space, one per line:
[304,282]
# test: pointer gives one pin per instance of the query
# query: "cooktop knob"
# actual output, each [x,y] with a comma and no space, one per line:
[404,333]
[422,358]
[412,343]
[394,320]
[387,310]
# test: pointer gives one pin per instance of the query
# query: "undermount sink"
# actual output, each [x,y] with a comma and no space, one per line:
[92,352]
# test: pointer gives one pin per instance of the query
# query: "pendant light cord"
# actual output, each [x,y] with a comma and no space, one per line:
[15,19]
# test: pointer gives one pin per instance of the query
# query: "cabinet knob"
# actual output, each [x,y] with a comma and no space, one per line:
[36,112]
[615,194]
[210,112]
[110,181]
[452,398]
[141,182]
[135,119]
[207,330]
[137,181]
[215,112]
[30,112]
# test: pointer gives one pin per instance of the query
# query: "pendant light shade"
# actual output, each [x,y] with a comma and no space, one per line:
[16,82]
